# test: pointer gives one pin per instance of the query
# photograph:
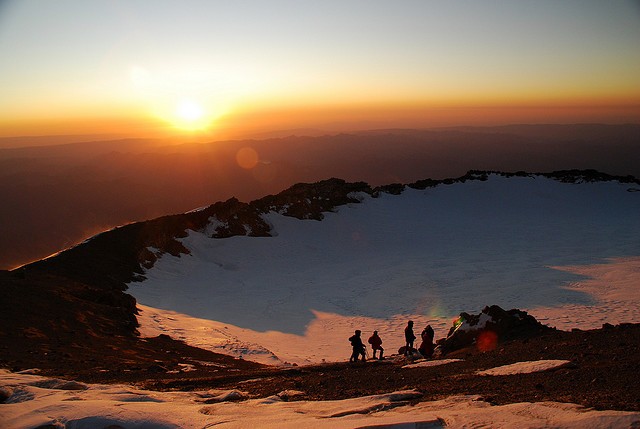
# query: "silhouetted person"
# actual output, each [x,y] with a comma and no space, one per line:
[358,347]
[409,338]
[426,347]
[376,344]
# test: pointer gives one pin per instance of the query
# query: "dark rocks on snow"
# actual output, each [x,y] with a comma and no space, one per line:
[491,326]
[237,218]
[392,189]
[309,200]
[588,176]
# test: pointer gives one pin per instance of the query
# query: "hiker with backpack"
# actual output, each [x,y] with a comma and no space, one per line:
[358,347]
[426,347]
[376,344]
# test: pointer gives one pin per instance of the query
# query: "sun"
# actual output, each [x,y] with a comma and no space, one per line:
[190,115]
[189,110]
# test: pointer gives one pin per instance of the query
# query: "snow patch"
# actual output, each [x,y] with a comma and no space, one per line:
[525,367]
[213,225]
[358,196]
[484,318]
[430,363]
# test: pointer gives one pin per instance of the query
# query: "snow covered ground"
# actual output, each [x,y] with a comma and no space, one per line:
[37,401]
[569,254]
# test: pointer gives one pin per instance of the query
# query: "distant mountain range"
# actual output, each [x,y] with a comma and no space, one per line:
[56,196]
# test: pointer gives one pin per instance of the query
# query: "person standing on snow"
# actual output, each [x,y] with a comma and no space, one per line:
[376,344]
[358,347]
[409,338]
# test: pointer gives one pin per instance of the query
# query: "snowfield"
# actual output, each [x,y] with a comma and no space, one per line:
[569,254]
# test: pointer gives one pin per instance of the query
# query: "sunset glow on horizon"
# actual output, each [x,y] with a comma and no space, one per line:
[150,68]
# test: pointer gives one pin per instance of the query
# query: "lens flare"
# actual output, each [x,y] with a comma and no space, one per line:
[487,341]
[437,310]
[457,322]
[247,158]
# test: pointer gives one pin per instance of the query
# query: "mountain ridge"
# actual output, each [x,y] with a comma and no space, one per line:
[118,256]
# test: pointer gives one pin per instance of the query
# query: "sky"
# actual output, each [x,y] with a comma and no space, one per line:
[141,66]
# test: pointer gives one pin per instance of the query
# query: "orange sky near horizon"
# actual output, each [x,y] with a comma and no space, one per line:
[251,124]
[225,70]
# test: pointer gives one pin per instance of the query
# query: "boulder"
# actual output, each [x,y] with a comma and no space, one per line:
[487,329]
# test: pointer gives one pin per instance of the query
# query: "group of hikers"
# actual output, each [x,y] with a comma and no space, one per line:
[425,349]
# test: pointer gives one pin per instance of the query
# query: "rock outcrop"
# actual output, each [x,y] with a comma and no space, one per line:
[487,329]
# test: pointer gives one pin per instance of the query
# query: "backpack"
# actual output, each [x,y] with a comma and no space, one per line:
[430,332]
